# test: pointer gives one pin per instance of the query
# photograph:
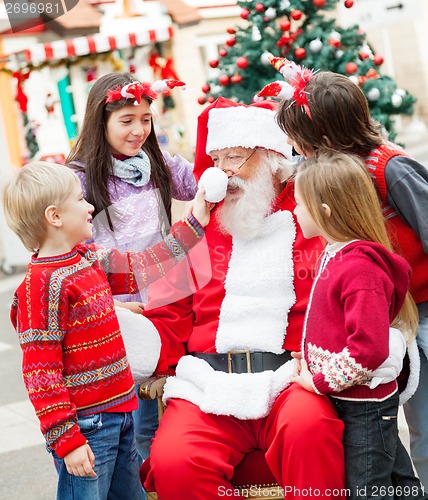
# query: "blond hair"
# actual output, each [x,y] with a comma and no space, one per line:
[28,193]
[342,182]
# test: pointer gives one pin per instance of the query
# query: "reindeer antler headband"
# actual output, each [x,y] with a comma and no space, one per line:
[294,87]
[137,89]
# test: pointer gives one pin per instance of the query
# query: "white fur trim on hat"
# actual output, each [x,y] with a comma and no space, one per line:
[415,366]
[247,127]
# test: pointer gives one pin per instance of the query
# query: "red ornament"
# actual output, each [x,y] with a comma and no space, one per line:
[224,80]
[283,41]
[230,42]
[363,55]
[222,52]
[231,31]
[210,99]
[206,88]
[319,3]
[349,3]
[236,78]
[260,7]
[91,73]
[378,60]
[334,42]
[213,63]
[296,14]
[351,68]
[202,100]
[285,25]
[242,62]
[300,53]
[245,13]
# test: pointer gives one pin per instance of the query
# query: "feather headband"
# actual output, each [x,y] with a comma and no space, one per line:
[136,90]
[294,87]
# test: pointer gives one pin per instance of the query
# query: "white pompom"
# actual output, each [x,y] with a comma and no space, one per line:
[289,70]
[214,181]
[159,86]
[287,91]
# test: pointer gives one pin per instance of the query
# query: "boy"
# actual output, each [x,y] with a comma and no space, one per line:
[74,362]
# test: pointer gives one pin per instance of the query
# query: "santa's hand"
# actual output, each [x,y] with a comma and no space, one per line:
[135,307]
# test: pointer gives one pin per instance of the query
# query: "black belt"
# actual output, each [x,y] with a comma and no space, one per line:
[244,361]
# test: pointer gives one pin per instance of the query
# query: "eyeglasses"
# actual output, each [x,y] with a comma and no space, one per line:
[235,161]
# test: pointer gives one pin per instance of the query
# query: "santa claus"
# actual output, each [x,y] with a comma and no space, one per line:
[229,337]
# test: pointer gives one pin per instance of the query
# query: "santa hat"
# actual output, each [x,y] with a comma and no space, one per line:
[228,124]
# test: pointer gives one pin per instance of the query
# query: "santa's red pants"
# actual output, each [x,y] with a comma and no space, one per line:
[193,454]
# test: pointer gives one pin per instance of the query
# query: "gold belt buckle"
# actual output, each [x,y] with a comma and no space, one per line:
[229,359]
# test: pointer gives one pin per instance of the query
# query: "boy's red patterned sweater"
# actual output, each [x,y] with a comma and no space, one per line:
[74,360]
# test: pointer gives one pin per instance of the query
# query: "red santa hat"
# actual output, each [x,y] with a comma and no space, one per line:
[228,124]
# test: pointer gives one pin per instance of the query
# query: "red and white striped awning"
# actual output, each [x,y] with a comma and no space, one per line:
[84,45]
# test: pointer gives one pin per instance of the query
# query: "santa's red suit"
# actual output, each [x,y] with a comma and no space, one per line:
[248,295]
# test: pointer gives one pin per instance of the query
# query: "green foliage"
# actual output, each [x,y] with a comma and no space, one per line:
[313,40]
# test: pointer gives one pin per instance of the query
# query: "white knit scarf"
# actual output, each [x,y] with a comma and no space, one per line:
[134,170]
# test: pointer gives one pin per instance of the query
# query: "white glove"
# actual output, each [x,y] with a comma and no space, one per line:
[392,366]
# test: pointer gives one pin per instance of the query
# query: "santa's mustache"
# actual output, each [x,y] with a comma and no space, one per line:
[236,182]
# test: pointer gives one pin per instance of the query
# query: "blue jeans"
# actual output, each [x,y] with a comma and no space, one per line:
[111,438]
[376,462]
[146,422]
[416,408]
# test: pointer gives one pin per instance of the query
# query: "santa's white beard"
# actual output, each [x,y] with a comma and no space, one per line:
[243,216]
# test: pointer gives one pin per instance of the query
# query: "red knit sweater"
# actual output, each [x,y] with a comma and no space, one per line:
[74,359]
[406,242]
[354,299]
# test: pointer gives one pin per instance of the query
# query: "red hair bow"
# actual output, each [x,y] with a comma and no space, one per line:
[294,87]
[137,89]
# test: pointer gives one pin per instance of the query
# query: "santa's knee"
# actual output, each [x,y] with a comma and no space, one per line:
[306,416]
[172,462]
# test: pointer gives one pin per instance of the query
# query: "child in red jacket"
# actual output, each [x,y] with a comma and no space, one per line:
[361,288]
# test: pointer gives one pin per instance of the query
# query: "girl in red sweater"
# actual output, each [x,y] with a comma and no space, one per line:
[361,288]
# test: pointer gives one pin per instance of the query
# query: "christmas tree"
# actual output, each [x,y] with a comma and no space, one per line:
[300,31]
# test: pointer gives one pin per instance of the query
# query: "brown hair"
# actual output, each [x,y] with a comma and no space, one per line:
[342,182]
[93,151]
[339,113]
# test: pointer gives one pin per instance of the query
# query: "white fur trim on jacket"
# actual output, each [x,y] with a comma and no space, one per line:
[245,396]
[142,343]
[392,366]
[246,127]
[413,380]
[254,315]
[259,289]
